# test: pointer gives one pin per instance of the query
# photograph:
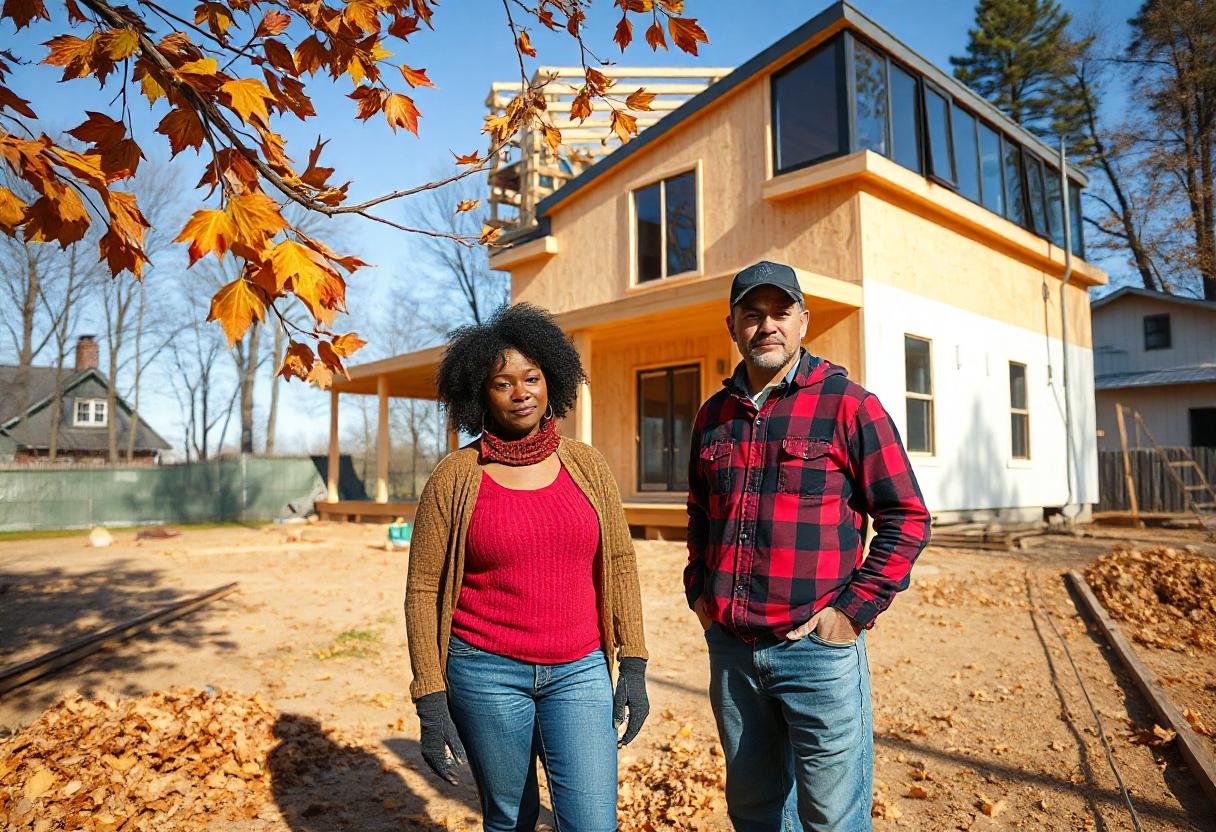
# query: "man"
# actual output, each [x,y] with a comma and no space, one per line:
[788,462]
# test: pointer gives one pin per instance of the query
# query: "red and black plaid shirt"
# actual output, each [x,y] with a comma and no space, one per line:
[778,501]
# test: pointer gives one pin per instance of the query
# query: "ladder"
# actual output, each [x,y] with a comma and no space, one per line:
[1198,494]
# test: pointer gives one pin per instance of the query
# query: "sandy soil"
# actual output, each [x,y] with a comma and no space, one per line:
[980,720]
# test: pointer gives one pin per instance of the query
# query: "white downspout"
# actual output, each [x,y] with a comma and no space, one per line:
[1068,438]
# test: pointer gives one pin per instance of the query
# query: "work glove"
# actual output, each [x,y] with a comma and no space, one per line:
[630,704]
[441,747]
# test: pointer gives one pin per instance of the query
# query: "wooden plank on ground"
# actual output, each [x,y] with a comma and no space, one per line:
[23,672]
[1190,745]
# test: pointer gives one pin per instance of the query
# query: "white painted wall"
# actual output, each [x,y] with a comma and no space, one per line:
[972,469]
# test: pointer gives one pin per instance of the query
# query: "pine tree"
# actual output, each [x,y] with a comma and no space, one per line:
[1019,57]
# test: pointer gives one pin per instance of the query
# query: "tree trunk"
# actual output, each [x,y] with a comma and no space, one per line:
[133,430]
[247,366]
[273,414]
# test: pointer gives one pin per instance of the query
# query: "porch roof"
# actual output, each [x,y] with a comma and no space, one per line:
[670,304]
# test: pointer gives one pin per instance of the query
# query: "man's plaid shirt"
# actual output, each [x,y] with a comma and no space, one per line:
[778,501]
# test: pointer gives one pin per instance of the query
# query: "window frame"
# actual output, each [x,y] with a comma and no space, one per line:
[661,182]
[1022,412]
[96,408]
[929,397]
[980,126]
[844,124]
[850,59]
[1169,332]
[670,462]
[918,115]
[928,88]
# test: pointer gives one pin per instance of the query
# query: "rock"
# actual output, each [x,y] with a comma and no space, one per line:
[100,538]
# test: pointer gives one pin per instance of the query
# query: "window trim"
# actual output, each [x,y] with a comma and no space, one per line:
[1024,412]
[669,370]
[695,168]
[844,124]
[1169,332]
[918,116]
[929,397]
[95,407]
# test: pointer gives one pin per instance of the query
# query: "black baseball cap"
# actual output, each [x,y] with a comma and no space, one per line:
[765,273]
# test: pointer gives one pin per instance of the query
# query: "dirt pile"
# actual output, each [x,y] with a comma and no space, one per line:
[679,786]
[167,760]
[1166,596]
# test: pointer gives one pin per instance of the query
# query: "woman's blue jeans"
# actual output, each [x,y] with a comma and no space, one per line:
[509,713]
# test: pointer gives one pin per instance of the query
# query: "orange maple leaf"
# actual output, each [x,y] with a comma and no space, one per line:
[655,37]
[322,291]
[289,260]
[274,23]
[248,97]
[525,45]
[624,125]
[23,12]
[416,77]
[473,158]
[467,205]
[639,100]
[12,210]
[254,219]
[624,32]
[237,306]
[330,358]
[348,344]
[183,128]
[56,215]
[120,44]
[311,55]
[99,129]
[297,361]
[207,231]
[401,112]
[686,33]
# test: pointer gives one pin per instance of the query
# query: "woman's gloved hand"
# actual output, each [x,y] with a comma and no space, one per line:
[630,696]
[441,746]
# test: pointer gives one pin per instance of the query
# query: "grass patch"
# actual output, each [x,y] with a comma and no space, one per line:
[352,644]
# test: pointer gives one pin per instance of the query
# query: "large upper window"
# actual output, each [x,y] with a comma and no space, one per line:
[665,216]
[937,117]
[1015,205]
[668,400]
[1055,205]
[809,121]
[1035,194]
[991,181]
[870,82]
[905,119]
[918,377]
[966,154]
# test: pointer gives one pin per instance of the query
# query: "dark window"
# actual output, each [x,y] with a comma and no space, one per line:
[905,119]
[1019,412]
[1203,427]
[1157,332]
[992,183]
[937,117]
[680,209]
[966,154]
[1074,218]
[918,375]
[809,123]
[667,227]
[1015,204]
[648,207]
[1055,205]
[668,400]
[870,83]
[1034,194]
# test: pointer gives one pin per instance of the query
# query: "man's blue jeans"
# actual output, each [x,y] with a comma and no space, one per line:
[797,732]
[510,712]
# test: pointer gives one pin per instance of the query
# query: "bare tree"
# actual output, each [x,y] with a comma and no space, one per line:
[63,309]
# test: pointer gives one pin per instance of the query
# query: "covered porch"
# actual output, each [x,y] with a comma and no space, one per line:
[673,323]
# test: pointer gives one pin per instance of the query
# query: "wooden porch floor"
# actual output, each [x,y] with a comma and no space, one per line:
[648,514]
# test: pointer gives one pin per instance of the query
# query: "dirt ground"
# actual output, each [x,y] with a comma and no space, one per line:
[980,722]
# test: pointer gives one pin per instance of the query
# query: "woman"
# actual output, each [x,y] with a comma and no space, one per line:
[522,587]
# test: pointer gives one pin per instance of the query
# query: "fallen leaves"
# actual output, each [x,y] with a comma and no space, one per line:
[1167,595]
[678,785]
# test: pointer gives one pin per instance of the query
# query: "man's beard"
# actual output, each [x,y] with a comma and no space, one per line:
[769,360]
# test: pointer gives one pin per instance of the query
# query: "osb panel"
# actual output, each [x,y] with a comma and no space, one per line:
[919,255]
[594,231]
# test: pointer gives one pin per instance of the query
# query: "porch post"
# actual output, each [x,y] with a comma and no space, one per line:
[382,441]
[331,474]
[582,401]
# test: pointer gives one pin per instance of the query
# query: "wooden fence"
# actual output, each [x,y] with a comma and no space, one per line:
[1156,490]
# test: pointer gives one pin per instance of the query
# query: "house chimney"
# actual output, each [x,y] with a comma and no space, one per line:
[86,353]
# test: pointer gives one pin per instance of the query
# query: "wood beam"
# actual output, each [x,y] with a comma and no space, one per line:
[382,440]
[582,401]
[331,473]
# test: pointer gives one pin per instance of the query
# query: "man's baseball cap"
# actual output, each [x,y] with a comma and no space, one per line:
[765,273]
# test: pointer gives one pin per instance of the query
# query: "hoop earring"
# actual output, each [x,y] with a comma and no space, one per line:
[549,412]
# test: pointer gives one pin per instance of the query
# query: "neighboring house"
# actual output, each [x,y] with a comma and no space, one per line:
[928,233]
[1156,353]
[25,433]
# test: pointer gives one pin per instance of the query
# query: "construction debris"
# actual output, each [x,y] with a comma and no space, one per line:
[164,760]
[1167,595]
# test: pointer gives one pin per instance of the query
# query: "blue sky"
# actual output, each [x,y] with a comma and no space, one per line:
[469,49]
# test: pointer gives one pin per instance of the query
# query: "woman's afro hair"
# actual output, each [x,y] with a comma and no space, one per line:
[475,351]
